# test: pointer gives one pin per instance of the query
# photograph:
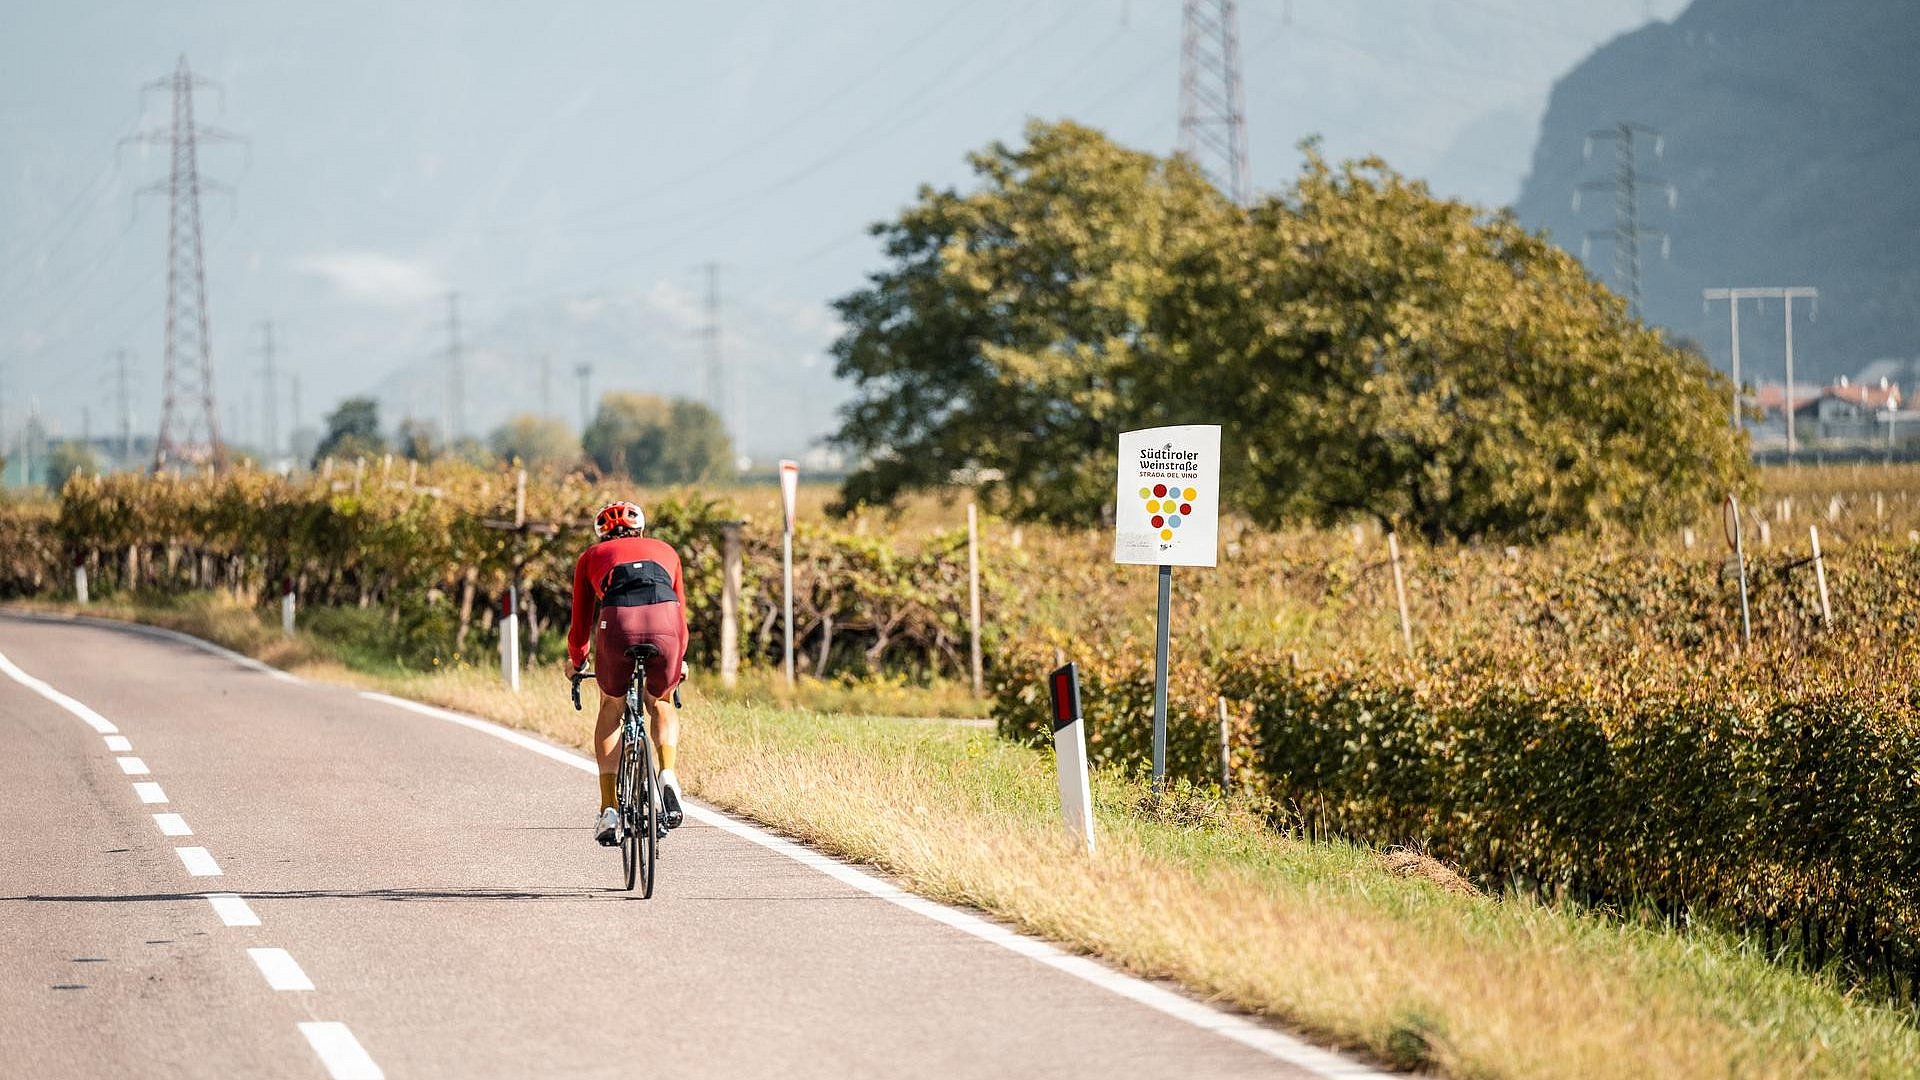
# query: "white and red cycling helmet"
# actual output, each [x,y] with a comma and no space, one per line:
[616,516]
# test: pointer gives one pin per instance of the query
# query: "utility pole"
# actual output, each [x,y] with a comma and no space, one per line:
[187,411]
[272,412]
[456,406]
[1625,185]
[123,401]
[1213,102]
[585,373]
[716,376]
[1787,293]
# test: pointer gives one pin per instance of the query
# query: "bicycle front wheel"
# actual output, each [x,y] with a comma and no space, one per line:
[630,792]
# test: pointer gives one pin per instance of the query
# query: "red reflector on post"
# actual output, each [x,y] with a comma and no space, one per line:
[1065,686]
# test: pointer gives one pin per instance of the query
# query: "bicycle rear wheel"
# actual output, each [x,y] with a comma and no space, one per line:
[646,811]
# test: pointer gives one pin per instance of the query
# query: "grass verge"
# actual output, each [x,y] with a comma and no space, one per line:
[1328,938]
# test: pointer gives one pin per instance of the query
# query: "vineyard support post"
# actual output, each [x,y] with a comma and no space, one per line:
[1400,591]
[973,598]
[1226,750]
[80,584]
[789,494]
[286,608]
[730,604]
[1731,518]
[1820,575]
[1162,619]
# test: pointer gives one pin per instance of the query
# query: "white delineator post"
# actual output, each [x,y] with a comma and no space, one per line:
[1226,750]
[286,609]
[789,496]
[510,640]
[1820,575]
[80,583]
[1070,754]
[730,604]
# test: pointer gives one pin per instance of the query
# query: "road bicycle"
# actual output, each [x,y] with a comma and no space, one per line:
[635,787]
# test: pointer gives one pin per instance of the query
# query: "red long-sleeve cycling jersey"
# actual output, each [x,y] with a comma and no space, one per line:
[590,581]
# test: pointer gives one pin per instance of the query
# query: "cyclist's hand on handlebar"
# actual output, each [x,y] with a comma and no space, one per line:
[683,671]
[571,669]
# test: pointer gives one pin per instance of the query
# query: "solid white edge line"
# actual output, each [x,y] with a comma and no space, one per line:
[233,910]
[119,744]
[172,825]
[149,792]
[281,970]
[339,1051]
[93,719]
[133,766]
[198,861]
[1274,1044]
[203,645]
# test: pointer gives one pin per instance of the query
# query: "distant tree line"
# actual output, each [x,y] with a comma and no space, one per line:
[642,437]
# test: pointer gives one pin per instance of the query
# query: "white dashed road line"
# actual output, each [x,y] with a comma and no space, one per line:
[233,910]
[280,969]
[172,825]
[340,1052]
[198,862]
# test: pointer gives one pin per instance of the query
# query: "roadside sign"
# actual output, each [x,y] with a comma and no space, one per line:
[1167,499]
[1730,521]
[789,488]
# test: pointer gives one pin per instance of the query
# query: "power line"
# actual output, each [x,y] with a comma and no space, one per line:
[1626,184]
[188,370]
[455,408]
[1213,100]
[271,414]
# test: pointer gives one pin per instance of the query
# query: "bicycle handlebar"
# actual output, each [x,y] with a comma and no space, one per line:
[578,678]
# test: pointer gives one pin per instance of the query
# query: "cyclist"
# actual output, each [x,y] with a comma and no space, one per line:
[630,586]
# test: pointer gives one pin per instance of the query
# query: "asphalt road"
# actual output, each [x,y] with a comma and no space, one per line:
[412,896]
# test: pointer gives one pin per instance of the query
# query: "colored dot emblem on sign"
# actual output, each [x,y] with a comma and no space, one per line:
[1159,491]
[1166,534]
[1146,493]
[1186,508]
[1189,494]
[1173,521]
[1158,521]
[1153,506]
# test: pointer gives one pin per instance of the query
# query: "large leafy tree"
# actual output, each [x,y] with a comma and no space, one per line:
[1370,350]
[1007,340]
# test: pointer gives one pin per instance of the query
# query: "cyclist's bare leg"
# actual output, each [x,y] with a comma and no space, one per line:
[606,734]
[665,726]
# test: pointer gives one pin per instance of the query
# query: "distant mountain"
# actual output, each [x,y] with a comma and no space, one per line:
[1792,131]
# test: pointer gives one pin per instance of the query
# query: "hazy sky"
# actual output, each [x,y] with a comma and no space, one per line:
[570,168]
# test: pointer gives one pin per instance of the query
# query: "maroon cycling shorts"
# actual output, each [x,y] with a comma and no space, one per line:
[659,625]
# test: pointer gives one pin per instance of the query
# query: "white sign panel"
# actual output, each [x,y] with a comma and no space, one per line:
[789,488]
[1167,504]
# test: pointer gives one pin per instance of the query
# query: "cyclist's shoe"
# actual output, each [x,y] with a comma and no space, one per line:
[670,813]
[607,831]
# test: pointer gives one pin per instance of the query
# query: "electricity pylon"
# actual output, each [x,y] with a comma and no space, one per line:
[1213,103]
[1626,184]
